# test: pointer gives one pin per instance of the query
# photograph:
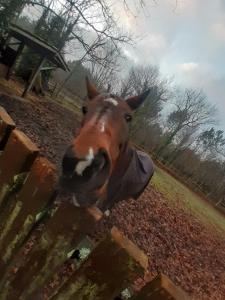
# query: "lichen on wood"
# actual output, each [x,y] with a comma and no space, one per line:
[113,264]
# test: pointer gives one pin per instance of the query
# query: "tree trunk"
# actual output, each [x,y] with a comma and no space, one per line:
[168,142]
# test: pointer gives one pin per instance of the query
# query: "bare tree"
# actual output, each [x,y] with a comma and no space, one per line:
[90,26]
[105,72]
[138,80]
[192,111]
[184,139]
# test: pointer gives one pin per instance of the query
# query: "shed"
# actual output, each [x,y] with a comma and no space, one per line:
[41,47]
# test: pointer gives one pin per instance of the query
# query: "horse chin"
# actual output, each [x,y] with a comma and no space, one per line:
[84,190]
[83,200]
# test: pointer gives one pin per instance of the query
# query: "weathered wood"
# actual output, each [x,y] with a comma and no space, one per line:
[18,54]
[112,265]
[74,261]
[6,126]
[61,234]
[161,288]
[20,214]
[33,76]
[17,157]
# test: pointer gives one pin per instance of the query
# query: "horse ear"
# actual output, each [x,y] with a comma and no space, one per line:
[92,91]
[136,101]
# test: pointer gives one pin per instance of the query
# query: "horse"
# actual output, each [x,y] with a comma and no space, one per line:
[101,167]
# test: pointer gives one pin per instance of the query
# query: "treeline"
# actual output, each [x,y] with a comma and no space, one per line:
[176,125]
[87,28]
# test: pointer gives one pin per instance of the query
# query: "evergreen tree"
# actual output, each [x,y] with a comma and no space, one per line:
[9,11]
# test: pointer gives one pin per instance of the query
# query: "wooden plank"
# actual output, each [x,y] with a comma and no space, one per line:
[34,76]
[112,265]
[61,233]
[19,216]
[18,54]
[161,288]
[74,261]
[6,126]
[17,157]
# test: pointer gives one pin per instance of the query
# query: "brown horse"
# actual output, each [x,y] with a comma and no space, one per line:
[100,167]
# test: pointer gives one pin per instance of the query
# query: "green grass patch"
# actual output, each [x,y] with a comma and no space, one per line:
[69,102]
[177,193]
[171,188]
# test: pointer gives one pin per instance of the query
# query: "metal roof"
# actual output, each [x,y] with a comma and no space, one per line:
[40,46]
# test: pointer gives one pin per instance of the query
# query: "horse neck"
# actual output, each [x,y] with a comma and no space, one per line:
[122,163]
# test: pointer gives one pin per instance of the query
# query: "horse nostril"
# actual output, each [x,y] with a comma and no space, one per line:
[69,162]
[72,166]
[101,160]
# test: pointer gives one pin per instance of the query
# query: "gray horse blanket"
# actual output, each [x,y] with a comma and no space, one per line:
[134,180]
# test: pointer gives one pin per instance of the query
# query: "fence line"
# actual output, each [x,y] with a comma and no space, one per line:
[29,259]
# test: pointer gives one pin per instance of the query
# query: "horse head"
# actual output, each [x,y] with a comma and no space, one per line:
[103,136]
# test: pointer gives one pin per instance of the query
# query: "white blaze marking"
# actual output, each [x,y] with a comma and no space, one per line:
[102,129]
[112,101]
[74,200]
[82,165]
[102,123]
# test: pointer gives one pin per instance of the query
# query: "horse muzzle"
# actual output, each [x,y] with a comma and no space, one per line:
[85,177]
[91,164]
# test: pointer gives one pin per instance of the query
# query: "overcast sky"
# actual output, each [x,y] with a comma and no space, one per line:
[185,38]
[187,41]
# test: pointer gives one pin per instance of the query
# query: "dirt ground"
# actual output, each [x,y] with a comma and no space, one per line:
[177,243]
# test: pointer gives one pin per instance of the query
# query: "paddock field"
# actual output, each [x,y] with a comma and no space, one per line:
[182,235]
[176,193]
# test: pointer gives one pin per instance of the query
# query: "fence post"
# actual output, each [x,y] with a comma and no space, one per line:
[17,157]
[61,233]
[18,217]
[113,264]
[161,288]
[6,126]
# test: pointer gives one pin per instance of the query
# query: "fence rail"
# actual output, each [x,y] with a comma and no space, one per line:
[30,258]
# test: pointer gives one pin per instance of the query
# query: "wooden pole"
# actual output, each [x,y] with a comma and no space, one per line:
[18,53]
[19,216]
[6,127]
[33,76]
[111,267]
[61,234]
[161,288]
[17,157]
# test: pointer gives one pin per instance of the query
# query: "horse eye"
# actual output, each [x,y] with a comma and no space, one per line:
[128,117]
[84,109]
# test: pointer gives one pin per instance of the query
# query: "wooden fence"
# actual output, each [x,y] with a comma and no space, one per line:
[37,235]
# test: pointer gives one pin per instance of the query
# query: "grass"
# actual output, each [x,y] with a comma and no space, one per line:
[69,103]
[177,193]
[173,190]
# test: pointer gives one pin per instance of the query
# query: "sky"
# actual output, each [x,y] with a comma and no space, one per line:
[185,38]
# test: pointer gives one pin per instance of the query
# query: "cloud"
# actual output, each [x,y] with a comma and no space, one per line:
[157,41]
[218,30]
[184,6]
[147,51]
[131,56]
[188,67]
[187,41]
